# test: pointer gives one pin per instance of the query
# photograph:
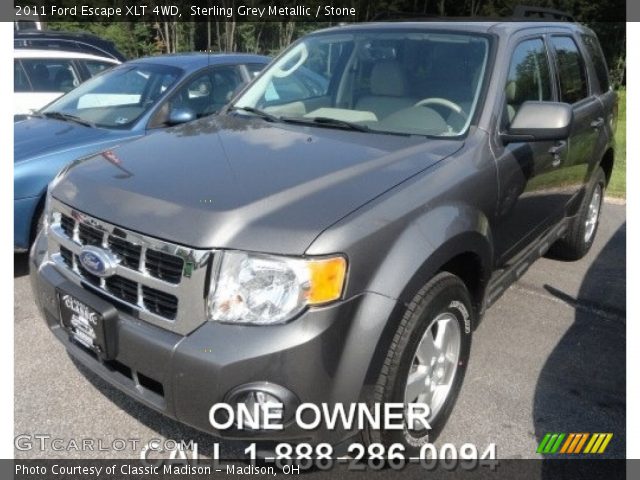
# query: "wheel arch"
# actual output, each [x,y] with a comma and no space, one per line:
[33,229]
[607,162]
[465,251]
[452,237]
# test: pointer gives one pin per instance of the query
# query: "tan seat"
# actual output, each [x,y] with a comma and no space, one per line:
[388,91]
[511,96]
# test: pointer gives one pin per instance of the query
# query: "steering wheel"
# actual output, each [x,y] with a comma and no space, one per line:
[454,107]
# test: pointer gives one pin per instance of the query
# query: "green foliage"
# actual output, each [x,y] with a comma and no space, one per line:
[618,184]
[140,38]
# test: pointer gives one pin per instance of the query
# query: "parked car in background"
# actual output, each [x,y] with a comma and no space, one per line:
[129,101]
[68,41]
[41,76]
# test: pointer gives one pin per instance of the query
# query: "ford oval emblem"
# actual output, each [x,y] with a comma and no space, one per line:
[98,262]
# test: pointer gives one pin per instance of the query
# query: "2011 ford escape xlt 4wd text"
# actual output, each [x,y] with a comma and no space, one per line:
[335,240]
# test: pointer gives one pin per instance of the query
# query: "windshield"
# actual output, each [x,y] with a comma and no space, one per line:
[423,83]
[118,97]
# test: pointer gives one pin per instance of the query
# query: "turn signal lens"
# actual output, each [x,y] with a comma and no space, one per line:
[326,280]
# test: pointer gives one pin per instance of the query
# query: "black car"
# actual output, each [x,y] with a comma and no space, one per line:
[69,41]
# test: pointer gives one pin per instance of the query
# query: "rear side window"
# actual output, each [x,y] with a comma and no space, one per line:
[571,70]
[529,78]
[599,63]
[96,66]
[50,74]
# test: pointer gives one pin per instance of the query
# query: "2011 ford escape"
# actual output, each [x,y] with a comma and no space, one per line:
[333,241]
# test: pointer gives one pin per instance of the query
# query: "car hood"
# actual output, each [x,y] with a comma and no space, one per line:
[37,137]
[233,182]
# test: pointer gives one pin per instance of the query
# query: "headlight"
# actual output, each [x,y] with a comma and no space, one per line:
[49,216]
[265,289]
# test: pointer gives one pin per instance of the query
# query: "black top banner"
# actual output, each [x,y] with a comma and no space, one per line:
[331,11]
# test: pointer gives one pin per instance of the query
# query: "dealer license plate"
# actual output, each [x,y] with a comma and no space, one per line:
[83,322]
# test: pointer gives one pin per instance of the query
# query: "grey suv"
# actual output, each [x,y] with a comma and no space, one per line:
[333,244]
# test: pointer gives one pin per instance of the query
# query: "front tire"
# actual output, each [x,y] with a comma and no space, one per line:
[427,359]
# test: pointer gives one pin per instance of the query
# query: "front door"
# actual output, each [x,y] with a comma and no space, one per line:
[530,200]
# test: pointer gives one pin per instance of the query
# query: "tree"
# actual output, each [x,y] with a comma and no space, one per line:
[168,35]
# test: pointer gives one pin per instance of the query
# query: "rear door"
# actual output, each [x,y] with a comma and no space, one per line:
[22,90]
[603,90]
[580,91]
[49,78]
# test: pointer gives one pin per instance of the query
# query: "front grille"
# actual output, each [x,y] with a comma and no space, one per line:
[67,256]
[165,267]
[127,251]
[159,302]
[67,224]
[89,235]
[141,379]
[153,280]
[122,288]
[157,264]
[90,277]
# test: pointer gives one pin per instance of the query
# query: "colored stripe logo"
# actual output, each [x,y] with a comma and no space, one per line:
[574,443]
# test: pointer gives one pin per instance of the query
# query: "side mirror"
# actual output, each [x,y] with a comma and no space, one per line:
[180,115]
[540,121]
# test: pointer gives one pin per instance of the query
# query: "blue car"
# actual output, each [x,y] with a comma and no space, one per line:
[129,101]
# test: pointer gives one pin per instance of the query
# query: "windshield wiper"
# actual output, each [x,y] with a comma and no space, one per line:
[329,122]
[67,117]
[256,111]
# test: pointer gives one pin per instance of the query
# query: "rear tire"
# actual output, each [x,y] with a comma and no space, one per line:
[440,314]
[583,227]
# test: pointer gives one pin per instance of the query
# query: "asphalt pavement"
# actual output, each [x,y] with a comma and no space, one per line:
[548,357]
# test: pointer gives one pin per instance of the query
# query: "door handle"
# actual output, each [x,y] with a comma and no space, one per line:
[555,152]
[597,123]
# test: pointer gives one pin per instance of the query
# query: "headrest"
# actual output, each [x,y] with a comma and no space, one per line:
[511,91]
[387,79]
[64,81]
[41,71]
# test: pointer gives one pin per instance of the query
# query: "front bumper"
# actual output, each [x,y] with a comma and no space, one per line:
[323,356]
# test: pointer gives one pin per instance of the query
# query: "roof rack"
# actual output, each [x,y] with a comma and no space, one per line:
[520,12]
[67,41]
[396,15]
[532,13]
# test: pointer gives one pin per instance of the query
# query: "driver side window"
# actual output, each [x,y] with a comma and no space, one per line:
[528,79]
[195,95]
[203,95]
